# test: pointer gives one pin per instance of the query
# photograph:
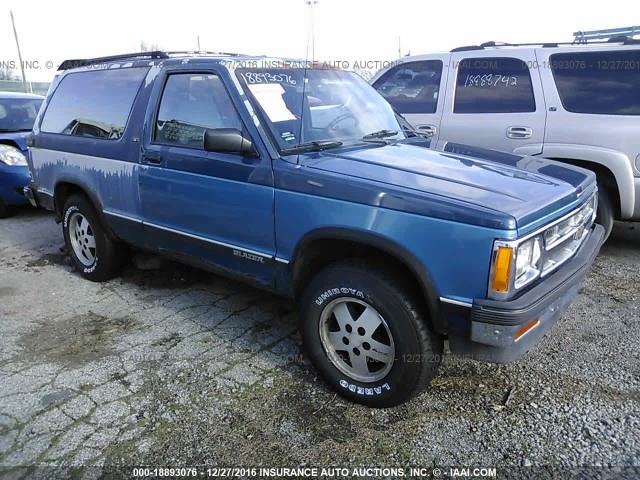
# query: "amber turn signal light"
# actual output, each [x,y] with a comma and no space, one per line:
[526,328]
[502,269]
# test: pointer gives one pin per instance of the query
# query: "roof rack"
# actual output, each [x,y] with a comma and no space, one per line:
[203,52]
[621,39]
[68,64]
[610,34]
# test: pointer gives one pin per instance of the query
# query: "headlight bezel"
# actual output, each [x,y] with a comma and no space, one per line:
[536,268]
[515,281]
[11,156]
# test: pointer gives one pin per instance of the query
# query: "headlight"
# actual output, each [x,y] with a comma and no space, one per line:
[528,258]
[517,263]
[11,156]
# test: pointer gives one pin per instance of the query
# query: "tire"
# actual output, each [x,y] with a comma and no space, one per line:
[5,212]
[605,215]
[339,305]
[96,256]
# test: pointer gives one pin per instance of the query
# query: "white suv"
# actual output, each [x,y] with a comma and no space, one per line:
[578,104]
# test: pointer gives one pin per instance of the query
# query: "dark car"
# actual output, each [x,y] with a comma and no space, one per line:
[18,111]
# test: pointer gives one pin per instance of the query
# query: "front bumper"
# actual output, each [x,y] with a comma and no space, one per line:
[39,198]
[497,326]
[636,210]
[29,195]
[12,181]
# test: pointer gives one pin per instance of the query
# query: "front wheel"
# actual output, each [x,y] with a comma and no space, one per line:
[4,210]
[365,331]
[96,256]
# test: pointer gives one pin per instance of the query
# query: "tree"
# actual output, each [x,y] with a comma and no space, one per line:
[148,47]
[6,72]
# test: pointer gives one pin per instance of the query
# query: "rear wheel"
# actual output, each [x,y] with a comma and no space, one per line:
[365,331]
[96,256]
[605,215]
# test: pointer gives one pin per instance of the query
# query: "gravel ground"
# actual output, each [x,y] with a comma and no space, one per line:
[178,367]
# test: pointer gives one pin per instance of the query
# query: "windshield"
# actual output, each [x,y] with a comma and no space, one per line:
[328,106]
[18,114]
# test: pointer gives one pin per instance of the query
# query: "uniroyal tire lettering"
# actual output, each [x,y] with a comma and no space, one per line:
[92,267]
[338,291]
[65,223]
[68,213]
[365,390]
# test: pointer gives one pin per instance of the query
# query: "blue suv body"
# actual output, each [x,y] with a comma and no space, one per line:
[304,181]
[17,113]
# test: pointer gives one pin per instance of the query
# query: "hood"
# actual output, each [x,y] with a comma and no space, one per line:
[19,138]
[525,188]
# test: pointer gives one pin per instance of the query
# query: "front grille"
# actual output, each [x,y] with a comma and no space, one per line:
[563,238]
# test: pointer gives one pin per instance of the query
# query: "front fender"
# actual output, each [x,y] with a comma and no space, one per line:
[617,162]
[379,242]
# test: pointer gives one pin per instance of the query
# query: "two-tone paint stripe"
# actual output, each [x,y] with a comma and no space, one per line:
[236,247]
[456,302]
[198,237]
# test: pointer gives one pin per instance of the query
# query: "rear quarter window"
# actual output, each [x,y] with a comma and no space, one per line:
[93,104]
[606,83]
[493,85]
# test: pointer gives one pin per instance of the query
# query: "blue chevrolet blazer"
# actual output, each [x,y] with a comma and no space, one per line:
[17,113]
[303,181]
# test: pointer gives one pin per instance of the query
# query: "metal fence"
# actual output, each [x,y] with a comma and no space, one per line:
[39,88]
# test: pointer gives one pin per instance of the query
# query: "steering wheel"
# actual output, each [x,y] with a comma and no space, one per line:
[341,118]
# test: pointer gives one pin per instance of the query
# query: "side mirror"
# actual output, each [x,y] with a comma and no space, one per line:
[228,140]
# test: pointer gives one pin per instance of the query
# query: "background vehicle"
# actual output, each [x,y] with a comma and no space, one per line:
[578,104]
[302,182]
[17,113]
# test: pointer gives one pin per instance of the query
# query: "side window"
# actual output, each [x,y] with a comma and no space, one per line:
[493,85]
[412,87]
[93,104]
[605,83]
[192,103]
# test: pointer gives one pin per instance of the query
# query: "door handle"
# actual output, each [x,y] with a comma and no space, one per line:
[519,132]
[152,158]
[428,130]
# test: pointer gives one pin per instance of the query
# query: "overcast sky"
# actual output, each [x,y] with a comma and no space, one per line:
[51,31]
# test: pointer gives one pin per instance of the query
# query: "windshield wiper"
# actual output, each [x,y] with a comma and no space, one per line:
[380,134]
[312,147]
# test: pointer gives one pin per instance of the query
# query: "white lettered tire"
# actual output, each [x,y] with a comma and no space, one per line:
[96,256]
[364,329]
